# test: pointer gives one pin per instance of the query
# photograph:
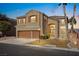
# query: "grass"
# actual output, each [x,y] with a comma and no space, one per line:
[41,42]
[58,43]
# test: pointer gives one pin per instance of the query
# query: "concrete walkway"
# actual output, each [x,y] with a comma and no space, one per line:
[14,40]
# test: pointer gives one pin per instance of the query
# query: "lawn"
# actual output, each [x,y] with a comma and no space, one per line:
[58,43]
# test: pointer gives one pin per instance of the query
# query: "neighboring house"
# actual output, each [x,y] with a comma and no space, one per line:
[34,24]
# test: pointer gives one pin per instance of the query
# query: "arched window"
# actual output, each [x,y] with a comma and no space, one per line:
[53,30]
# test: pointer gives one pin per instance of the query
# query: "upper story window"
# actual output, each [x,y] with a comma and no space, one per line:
[24,20]
[21,21]
[62,21]
[18,21]
[33,19]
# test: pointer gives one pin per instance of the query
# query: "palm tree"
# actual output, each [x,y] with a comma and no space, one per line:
[72,19]
[66,18]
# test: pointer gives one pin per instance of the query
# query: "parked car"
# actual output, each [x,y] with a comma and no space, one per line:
[0,34]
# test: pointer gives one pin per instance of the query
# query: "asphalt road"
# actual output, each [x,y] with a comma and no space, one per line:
[18,50]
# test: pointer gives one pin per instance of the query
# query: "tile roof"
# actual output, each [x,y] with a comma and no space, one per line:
[57,17]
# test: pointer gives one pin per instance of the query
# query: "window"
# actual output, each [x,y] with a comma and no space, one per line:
[19,21]
[52,30]
[62,32]
[62,27]
[62,21]
[24,20]
[33,19]
[52,26]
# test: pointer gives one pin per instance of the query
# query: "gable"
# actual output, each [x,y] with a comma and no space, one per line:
[32,12]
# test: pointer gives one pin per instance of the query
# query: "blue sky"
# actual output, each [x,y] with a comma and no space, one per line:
[14,10]
[18,9]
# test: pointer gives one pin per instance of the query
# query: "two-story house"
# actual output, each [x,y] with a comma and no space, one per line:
[34,24]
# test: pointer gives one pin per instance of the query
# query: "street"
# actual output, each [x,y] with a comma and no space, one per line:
[19,50]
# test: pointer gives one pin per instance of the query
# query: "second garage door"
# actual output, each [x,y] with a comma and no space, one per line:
[29,34]
[35,34]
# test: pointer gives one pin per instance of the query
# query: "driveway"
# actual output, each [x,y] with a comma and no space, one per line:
[14,40]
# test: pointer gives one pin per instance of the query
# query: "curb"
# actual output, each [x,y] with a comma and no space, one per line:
[45,47]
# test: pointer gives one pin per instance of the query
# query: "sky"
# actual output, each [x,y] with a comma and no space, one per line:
[14,10]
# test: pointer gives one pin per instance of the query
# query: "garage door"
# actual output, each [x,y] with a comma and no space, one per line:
[35,34]
[24,34]
[29,34]
[21,34]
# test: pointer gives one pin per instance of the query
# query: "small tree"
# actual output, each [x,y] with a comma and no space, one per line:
[72,22]
[4,26]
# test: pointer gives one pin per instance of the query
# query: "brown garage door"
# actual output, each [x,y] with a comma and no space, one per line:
[35,34]
[29,34]
[21,34]
[24,34]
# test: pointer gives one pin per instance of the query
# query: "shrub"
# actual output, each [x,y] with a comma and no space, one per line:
[41,37]
[44,37]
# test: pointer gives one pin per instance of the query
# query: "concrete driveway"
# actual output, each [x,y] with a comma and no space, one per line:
[14,40]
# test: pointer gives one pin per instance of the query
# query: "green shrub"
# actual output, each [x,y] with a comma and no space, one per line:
[44,37]
[41,37]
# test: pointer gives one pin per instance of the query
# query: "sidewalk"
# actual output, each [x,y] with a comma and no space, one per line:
[14,40]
